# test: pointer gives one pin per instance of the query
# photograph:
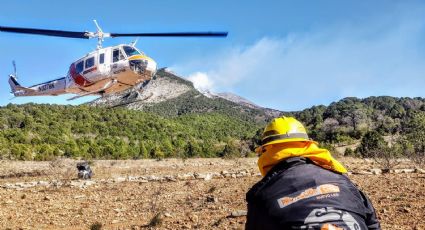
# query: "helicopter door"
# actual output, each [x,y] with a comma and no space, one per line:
[90,68]
[102,67]
[118,61]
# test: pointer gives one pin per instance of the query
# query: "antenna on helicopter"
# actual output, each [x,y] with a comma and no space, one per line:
[133,43]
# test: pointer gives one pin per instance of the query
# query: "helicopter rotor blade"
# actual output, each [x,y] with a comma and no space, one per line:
[56,33]
[176,34]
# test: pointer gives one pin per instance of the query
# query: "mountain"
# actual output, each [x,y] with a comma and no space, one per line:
[170,95]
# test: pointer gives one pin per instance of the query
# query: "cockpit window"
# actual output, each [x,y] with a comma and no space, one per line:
[130,51]
[80,67]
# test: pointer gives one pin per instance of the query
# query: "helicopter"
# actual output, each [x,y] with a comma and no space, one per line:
[104,71]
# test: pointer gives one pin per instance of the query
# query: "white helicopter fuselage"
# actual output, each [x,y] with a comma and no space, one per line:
[101,72]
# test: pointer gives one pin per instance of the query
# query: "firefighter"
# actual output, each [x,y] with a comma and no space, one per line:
[303,186]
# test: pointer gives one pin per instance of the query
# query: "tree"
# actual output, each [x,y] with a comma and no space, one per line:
[231,149]
[415,138]
[157,153]
[193,149]
[143,152]
[371,141]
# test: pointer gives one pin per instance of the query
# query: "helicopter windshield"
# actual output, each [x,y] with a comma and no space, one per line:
[130,51]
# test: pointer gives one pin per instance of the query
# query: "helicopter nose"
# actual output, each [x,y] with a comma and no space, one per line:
[148,63]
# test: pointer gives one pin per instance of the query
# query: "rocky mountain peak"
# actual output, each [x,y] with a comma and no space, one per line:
[169,94]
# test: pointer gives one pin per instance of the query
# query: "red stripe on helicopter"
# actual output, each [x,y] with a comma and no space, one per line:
[78,78]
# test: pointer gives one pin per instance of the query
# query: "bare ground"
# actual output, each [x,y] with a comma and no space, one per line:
[182,204]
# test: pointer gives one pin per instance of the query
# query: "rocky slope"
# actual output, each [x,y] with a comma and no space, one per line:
[170,95]
[163,87]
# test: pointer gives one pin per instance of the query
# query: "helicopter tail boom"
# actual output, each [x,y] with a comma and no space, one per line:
[55,87]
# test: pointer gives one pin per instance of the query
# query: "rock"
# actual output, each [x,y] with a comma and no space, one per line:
[119,179]
[153,178]
[115,221]
[187,176]
[239,213]
[82,183]
[9,202]
[409,170]
[170,178]
[212,199]
[47,198]
[166,214]
[187,226]
[43,183]
[89,182]
[194,218]
[398,171]
[79,196]
[241,174]
[200,175]
[227,175]
[418,170]
[117,210]
[133,178]
[208,177]
[363,172]
[376,171]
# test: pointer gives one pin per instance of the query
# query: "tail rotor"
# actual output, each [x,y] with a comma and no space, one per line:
[14,85]
[15,74]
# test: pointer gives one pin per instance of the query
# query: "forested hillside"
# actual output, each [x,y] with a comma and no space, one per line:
[350,118]
[43,132]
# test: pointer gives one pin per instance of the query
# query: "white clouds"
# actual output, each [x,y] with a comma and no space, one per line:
[201,81]
[386,57]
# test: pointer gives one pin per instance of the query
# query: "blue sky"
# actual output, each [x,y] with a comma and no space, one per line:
[287,55]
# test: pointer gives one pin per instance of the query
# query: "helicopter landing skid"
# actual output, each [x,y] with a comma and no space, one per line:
[105,87]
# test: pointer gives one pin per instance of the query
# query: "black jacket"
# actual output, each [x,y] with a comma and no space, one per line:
[297,194]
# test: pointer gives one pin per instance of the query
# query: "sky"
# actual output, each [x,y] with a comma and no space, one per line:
[286,55]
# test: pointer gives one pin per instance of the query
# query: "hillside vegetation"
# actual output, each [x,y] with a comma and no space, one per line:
[351,118]
[42,132]
[193,125]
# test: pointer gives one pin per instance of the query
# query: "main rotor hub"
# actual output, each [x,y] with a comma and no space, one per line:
[100,35]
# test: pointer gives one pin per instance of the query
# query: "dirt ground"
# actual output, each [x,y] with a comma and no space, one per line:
[399,198]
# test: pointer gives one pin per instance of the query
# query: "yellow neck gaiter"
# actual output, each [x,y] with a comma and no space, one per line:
[278,152]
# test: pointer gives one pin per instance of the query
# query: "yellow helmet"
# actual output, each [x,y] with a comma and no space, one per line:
[284,129]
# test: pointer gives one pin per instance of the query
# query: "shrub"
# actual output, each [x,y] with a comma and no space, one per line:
[370,142]
[96,226]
